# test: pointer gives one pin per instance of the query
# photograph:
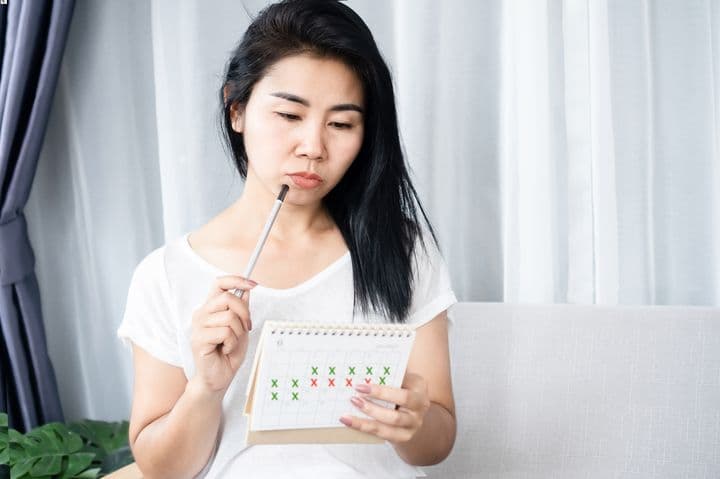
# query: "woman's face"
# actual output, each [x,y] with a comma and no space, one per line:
[303,126]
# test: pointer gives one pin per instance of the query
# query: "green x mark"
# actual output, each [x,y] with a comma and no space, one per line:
[387,370]
[382,379]
[351,370]
[295,396]
[332,369]
[274,383]
[368,370]
[274,396]
[295,383]
[314,369]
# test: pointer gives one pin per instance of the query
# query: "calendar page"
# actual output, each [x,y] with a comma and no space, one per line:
[306,374]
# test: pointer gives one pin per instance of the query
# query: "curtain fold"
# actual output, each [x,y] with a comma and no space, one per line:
[566,151]
[32,46]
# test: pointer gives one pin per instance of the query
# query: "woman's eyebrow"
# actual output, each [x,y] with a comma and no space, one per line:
[303,101]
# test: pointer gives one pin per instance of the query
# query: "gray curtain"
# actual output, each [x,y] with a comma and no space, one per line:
[33,35]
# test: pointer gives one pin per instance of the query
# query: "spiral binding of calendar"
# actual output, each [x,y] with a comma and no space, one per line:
[353,329]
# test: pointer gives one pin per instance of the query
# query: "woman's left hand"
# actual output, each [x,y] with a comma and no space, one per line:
[394,425]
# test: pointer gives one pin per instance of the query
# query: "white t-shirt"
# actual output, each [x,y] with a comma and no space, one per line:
[173,281]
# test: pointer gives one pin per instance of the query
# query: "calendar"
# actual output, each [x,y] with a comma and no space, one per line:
[304,375]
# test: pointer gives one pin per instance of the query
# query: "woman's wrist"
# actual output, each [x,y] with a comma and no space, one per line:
[199,390]
[433,442]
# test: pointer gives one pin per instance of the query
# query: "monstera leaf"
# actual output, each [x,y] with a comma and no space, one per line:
[107,440]
[84,450]
[4,440]
[51,450]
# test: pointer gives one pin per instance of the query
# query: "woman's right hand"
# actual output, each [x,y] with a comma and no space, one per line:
[220,330]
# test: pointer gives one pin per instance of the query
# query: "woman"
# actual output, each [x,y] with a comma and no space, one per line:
[307,101]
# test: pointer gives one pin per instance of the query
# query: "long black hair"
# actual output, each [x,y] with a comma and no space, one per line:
[375,205]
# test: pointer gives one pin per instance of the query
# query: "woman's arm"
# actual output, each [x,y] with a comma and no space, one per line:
[174,422]
[422,429]
[430,359]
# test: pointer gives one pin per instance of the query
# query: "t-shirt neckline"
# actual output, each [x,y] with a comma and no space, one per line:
[300,287]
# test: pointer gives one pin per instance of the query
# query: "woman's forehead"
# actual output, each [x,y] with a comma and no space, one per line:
[321,81]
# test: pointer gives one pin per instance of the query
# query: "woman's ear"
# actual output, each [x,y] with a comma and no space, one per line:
[236,117]
[236,113]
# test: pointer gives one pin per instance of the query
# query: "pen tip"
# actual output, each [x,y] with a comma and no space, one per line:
[283,191]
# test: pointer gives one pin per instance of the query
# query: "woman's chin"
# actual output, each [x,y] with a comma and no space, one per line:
[303,197]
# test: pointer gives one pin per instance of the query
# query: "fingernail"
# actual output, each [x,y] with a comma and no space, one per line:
[252,283]
[357,402]
[346,420]
[362,388]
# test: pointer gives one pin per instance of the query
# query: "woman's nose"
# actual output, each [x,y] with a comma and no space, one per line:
[311,143]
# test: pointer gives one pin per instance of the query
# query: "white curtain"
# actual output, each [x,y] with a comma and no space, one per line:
[566,151]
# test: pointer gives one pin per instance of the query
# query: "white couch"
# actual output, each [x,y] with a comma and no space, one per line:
[569,392]
[585,392]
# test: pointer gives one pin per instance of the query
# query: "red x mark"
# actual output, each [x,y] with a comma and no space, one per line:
[313,382]
[367,380]
[348,382]
[331,382]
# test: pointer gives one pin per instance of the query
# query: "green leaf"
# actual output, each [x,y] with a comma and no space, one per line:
[21,468]
[88,474]
[95,451]
[77,463]
[74,441]
[4,442]
[16,453]
[47,466]
[105,436]
[55,450]
[117,459]
[31,446]
[50,440]
[42,451]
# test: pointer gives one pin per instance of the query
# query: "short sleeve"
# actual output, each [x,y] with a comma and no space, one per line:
[148,320]
[432,291]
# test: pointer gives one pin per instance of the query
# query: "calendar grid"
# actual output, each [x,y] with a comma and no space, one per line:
[306,379]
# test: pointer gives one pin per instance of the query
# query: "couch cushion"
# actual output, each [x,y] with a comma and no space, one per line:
[561,391]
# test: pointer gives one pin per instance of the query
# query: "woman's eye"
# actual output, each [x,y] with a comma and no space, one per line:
[342,126]
[288,116]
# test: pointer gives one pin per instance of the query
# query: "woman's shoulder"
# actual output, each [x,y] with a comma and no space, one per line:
[153,266]
[178,247]
[152,263]
[176,250]
[432,288]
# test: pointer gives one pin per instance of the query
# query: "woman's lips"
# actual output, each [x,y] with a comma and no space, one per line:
[305,180]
